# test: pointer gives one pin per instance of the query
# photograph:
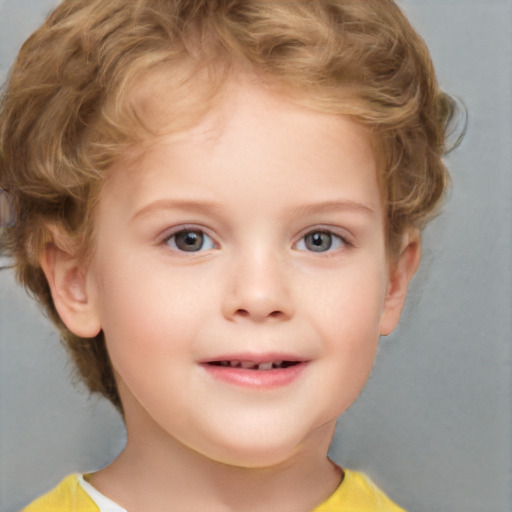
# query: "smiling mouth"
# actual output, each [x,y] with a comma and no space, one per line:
[250,365]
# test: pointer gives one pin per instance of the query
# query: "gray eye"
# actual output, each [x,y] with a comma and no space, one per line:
[320,241]
[190,240]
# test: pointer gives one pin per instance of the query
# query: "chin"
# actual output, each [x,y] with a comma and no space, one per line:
[256,451]
[255,458]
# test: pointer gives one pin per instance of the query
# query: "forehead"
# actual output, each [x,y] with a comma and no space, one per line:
[251,136]
[169,101]
[247,113]
[244,117]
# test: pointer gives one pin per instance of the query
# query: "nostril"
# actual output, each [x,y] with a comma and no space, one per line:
[244,313]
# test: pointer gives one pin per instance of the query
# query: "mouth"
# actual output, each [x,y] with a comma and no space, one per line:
[252,365]
[260,372]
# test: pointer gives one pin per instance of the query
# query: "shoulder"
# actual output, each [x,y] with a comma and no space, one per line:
[357,493]
[68,496]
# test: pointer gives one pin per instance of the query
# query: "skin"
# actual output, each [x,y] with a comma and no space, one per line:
[258,178]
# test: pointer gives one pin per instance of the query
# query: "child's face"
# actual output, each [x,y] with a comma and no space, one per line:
[254,238]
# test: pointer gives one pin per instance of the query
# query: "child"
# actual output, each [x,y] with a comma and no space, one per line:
[219,205]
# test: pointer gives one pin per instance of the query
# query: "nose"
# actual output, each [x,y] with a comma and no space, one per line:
[258,289]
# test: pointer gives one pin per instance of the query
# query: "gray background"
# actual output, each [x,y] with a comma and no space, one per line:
[433,426]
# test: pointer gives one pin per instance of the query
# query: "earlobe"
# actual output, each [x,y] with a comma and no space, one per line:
[71,293]
[400,275]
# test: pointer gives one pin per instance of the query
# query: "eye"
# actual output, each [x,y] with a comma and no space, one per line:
[190,240]
[320,241]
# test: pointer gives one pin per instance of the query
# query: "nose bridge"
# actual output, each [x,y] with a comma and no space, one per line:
[259,285]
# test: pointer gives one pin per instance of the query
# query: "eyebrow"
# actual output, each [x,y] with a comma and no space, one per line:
[342,205]
[177,204]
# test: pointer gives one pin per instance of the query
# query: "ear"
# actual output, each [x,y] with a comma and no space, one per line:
[401,272]
[69,284]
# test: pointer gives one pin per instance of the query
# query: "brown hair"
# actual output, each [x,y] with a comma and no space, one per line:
[78,90]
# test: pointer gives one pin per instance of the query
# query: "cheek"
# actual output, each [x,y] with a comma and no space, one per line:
[152,319]
[348,323]
[140,316]
[148,333]
[350,307]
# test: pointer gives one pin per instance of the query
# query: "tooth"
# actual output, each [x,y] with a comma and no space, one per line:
[247,364]
[277,364]
[265,366]
[235,363]
[224,363]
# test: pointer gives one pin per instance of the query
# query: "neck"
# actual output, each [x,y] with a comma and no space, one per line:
[155,471]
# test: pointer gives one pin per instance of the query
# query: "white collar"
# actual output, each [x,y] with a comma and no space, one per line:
[104,504]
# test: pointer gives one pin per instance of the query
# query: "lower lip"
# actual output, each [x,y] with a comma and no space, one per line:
[259,379]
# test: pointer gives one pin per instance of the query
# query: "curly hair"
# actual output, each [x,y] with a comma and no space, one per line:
[78,91]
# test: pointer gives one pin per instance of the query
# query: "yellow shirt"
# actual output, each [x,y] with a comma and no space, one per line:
[357,493]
